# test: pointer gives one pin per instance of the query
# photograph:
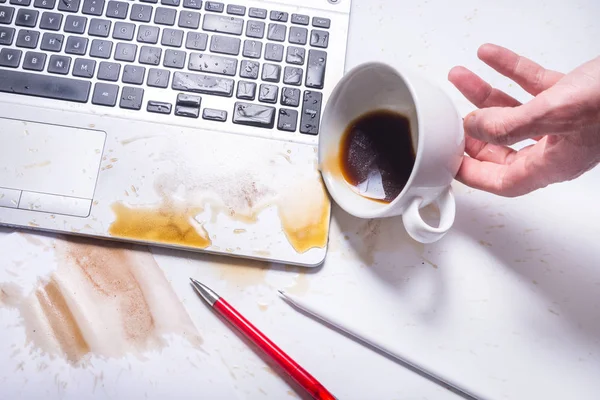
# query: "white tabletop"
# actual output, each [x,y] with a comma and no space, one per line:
[508,303]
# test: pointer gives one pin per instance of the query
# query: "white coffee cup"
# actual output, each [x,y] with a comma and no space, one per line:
[437,137]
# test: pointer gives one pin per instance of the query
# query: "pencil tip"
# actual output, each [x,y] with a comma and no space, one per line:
[281,292]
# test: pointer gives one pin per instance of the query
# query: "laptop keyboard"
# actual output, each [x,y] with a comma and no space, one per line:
[270,63]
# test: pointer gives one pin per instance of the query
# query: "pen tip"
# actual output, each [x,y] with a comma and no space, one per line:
[281,292]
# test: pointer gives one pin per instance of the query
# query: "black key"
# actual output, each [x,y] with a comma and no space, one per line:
[24,3]
[99,27]
[52,42]
[315,74]
[6,35]
[246,90]
[311,112]
[196,41]
[214,6]
[253,115]
[150,55]
[257,13]
[236,10]
[125,52]
[84,68]
[46,4]
[133,74]
[172,37]
[50,21]
[214,64]
[271,73]
[300,19]
[319,38]
[255,29]
[39,85]
[105,94]
[249,69]
[214,115]
[131,98]
[295,55]
[9,58]
[223,24]
[279,16]
[59,64]
[292,76]
[34,61]
[200,83]
[189,19]
[193,4]
[75,24]
[290,97]
[277,32]
[225,45]
[298,35]
[318,22]
[123,31]
[26,17]
[288,120]
[174,59]
[148,34]
[158,107]
[274,52]
[165,16]
[27,39]
[190,112]
[252,49]
[76,45]
[141,13]
[108,71]
[68,5]
[268,93]
[117,9]
[93,7]
[173,3]
[188,100]
[101,48]
[6,14]
[158,78]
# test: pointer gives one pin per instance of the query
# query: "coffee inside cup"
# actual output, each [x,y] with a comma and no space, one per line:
[377,155]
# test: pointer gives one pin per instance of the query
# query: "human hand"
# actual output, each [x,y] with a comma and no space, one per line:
[563,117]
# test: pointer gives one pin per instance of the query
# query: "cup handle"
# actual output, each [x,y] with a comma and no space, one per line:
[420,230]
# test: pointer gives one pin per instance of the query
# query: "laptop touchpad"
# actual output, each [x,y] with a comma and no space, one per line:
[51,168]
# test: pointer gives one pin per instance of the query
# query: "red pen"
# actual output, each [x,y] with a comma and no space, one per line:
[295,371]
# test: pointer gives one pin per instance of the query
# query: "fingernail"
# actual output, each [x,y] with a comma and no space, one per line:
[470,124]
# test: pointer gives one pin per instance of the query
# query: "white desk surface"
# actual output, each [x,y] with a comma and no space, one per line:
[508,302]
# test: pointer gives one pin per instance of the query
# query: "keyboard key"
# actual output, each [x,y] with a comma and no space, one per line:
[189,19]
[188,100]
[249,69]
[109,71]
[59,64]
[158,78]
[6,14]
[277,32]
[196,41]
[158,107]
[84,68]
[225,45]
[311,113]
[213,64]
[253,115]
[223,24]
[165,16]
[290,97]
[148,34]
[292,76]
[236,10]
[271,73]
[274,52]
[52,42]
[27,39]
[133,74]
[34,61]
[26,17]
[101,48]
[257,13]
[117,9]
[193,4]
[93,7]
[298,35]
[315,74]
[214,115]
[150,55]
[288,120]
[131,98]
[6,35]
[75,24]
[190,112]
[50,21]
[246,90]
[214,6]
[24,3]
[125,52]
[319,38]
[141,13]
[99,27]
[255,29]
[279,16]
[268,93]
[69,5]
[123,31]
[172,37]
[201,83]
[105,94]
[174,59]
[295,55]
[76,45]
[9,58]
[173,3]
[46,4]
[51,87]
[300,19]
[318,22]
[252,49]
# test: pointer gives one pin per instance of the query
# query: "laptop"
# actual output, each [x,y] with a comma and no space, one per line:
[181,123]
